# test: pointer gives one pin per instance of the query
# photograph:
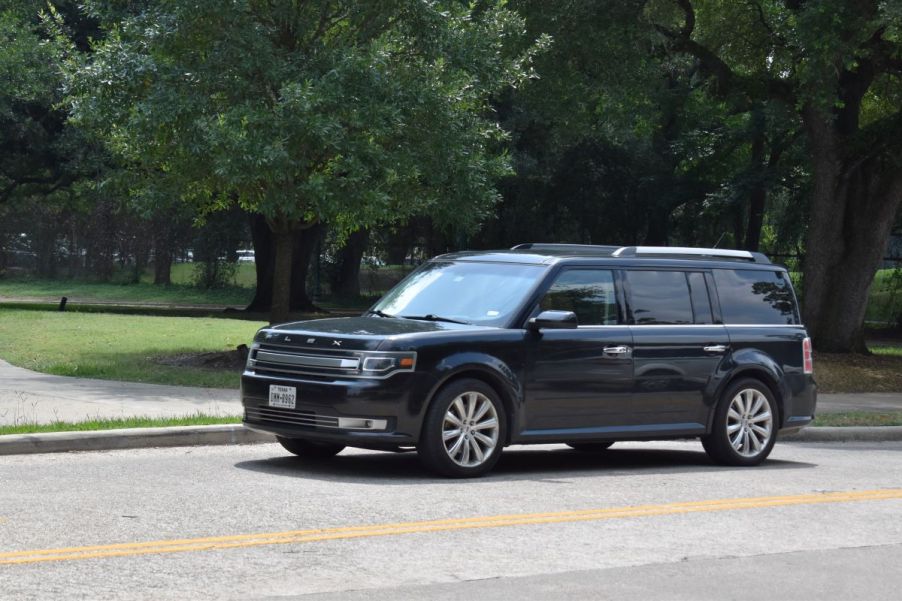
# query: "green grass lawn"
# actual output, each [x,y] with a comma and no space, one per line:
[859,418]
[78,291]
[120,347]
[199,419]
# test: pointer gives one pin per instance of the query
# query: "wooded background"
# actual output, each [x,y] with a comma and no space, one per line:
[338,134]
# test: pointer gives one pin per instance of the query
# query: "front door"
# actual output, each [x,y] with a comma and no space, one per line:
[580,380]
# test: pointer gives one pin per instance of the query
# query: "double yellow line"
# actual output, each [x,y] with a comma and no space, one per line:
[498,521]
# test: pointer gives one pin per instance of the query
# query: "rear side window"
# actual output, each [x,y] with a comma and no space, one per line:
[755,297]
[587,292]
[659,297]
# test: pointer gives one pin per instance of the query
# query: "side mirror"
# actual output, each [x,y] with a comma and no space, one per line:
[558,320]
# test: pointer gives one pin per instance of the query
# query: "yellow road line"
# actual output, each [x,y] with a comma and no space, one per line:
[497,521]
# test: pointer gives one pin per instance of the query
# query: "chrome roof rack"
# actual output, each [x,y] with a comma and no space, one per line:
[677,252]
[578,248]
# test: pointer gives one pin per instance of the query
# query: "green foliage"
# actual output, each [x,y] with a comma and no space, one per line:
[344,112]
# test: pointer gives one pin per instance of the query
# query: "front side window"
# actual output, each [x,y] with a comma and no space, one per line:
[755,297]
[587,292]
[473,292]
[659,297]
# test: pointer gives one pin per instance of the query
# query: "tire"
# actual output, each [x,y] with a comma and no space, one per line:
[745,424]
[471,450]
[309,449]
[590,447]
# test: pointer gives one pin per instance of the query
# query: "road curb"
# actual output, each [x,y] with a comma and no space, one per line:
[843,434]
[130,438]
[228,434]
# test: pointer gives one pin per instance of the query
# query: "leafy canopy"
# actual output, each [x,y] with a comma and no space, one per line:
[330,110]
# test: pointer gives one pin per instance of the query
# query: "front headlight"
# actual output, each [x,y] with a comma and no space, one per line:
[376,364]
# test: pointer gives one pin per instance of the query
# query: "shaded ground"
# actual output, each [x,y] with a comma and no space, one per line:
[230,360]
[841,372]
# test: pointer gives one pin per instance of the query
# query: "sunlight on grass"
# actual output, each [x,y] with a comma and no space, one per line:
[199,419]
[859,418]
[120,347]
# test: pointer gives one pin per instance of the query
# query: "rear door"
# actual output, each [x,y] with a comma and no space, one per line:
[677,347]
[580,379]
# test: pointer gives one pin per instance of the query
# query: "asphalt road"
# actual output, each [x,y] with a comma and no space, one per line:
[643,521]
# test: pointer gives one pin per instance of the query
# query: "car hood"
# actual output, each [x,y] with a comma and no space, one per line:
[353,333]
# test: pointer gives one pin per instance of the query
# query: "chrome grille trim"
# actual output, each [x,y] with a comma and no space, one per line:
[287,416]
[298,362]
[306,360]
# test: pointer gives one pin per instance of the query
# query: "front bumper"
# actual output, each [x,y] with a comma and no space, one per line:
[323,406]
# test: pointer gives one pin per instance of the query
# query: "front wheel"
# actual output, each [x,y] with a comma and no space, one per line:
[309,449]
[464,430]
[745,425]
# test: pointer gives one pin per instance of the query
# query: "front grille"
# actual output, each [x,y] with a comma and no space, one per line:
[287,416]
[271,359]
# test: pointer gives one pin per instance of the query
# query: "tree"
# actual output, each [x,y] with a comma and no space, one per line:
[328,111]
[837,64]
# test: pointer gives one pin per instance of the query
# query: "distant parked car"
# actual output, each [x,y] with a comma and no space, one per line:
[545,343]
[245,256]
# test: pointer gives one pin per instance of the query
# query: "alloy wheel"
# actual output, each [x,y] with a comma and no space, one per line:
[470,429]
[750,422]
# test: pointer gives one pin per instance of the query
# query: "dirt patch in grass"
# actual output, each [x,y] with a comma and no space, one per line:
[230,360]
[858,373]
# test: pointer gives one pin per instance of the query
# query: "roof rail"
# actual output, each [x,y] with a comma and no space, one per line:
[571,247]
[683,251]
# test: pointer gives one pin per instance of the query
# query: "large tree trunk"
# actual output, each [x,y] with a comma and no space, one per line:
[304,249]
[304,245]
[162,266]
[264,256]
[852,212]
[347,275]
[162,251]
[283,243]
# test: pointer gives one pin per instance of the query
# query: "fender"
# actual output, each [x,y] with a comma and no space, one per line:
[498,373]
[751,362]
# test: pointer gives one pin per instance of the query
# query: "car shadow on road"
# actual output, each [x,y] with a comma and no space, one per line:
[515,464]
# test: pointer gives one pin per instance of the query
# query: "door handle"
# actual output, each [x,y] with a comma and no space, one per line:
[716,348]
[616,350]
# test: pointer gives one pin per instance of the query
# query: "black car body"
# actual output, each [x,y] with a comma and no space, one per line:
[583,345]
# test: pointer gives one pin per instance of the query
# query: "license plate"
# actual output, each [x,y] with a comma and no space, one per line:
[282,396]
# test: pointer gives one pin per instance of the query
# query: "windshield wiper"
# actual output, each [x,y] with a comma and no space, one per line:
[432,317]
[379,313]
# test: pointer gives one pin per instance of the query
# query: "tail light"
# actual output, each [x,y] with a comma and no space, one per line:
[807,357]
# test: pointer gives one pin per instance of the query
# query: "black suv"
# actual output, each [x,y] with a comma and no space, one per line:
[545,343]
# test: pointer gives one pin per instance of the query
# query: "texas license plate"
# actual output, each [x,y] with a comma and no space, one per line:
[282,396]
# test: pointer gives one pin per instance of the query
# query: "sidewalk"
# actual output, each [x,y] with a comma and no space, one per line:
[31,397]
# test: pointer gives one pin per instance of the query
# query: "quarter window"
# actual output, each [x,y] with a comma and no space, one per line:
[659,297]
[755,297]
[587,292]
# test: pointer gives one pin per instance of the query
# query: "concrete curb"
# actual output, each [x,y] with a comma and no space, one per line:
[851,434]
[227,434]
[130,438]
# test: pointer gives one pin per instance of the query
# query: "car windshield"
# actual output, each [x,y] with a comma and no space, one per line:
[478,293]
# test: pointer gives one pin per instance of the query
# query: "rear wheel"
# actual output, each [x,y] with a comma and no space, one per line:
[590,447]
[464,430]
[310,449]
[745,425]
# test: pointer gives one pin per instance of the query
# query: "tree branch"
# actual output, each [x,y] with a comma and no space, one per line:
[727,82]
